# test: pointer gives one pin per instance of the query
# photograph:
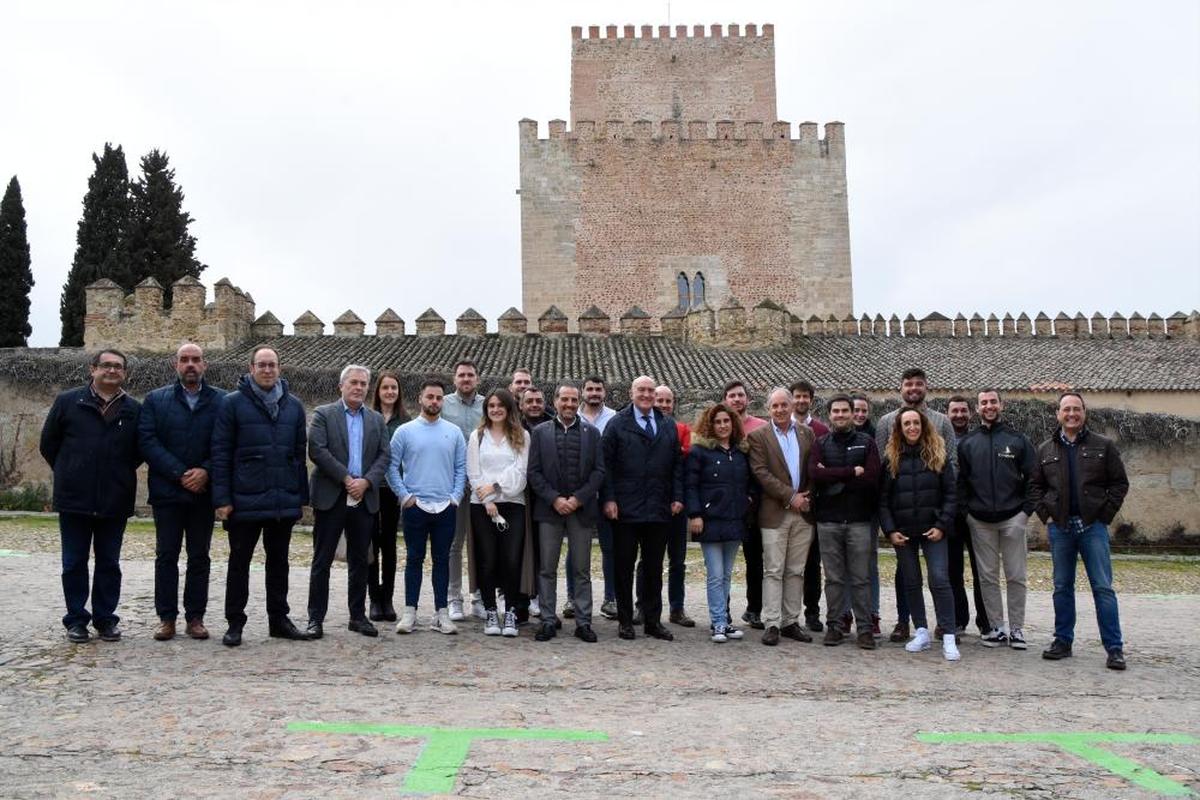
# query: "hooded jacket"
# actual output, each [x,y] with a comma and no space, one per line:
[718,488]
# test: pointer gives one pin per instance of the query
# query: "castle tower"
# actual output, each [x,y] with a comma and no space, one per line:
[676,185]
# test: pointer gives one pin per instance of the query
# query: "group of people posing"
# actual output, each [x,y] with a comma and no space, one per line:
[506,481]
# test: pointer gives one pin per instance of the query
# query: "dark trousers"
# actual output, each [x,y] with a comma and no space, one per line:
[960,539]
[498,554]
[812,580]
[243,539]
[752,553]
[677,541]
[381,571]
[651,539]
[173,525]
[908,563]
[328,526]
[438,530]
[79,534]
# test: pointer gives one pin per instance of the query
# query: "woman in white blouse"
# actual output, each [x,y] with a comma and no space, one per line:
[497,456]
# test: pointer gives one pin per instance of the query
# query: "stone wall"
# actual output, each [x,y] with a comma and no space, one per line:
[683,73]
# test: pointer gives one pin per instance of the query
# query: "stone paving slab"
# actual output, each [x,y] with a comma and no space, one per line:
[683,719]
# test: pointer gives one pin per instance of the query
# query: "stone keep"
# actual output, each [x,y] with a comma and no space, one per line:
[676,185]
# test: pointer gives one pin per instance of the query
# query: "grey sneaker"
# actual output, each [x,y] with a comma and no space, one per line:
[1016,639]
[510,623]
[442,623]
[491,627]
[408,620]
[456,611]
[994,638]
[609,609]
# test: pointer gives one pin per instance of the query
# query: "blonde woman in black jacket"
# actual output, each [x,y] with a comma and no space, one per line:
[916,509]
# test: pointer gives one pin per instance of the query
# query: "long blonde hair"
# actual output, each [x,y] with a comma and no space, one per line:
[931,444]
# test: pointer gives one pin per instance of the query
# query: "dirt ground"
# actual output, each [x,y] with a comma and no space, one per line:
[487,717]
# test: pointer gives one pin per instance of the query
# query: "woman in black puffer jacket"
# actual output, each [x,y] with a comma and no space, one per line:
[916,509]
[718,497]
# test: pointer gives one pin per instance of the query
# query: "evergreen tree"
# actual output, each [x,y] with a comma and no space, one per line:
[15,276]
[101,250]
[159,243]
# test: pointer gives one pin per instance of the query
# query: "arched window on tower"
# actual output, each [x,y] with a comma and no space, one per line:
[685,294]
[698,290]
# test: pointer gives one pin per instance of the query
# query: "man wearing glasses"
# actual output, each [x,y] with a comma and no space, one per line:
[90,441]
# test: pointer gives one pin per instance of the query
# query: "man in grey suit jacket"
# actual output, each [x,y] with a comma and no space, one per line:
[565,473]
[348,443]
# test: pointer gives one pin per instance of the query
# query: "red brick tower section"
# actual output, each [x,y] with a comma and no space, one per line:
[618,211]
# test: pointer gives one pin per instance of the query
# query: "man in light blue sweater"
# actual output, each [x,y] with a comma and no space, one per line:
[428,474]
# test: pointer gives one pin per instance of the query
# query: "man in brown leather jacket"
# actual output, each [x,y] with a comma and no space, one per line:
[1079,484]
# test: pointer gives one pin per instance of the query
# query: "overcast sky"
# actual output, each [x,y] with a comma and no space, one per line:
[1001,157]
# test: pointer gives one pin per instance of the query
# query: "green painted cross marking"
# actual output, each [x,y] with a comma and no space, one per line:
[445,751]
[1085,746]
[12,554]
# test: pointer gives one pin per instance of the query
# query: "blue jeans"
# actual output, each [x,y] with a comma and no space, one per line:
[718,562]
[80,534]
[908,568]
[1091,543]
[437,529]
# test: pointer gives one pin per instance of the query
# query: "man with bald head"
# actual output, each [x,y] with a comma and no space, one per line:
[175,437]
[642,493]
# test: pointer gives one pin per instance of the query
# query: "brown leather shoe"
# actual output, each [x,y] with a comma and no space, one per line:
[196,629]
[166,631]
[794,631]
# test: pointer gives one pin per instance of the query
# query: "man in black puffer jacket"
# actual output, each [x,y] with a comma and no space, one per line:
[995,464]
[260,485]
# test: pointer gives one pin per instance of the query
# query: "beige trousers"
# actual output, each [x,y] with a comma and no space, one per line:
[785,549]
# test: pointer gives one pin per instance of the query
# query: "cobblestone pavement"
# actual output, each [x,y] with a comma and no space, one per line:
[688,718]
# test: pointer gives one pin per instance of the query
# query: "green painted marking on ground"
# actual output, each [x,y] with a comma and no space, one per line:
[1084,745]
[12,554]
[437,767]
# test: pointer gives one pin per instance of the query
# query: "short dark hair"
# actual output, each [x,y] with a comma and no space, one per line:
[594,379]
[1068,393]
[840,397]
[913,372]
[558,389]
[990,390]
[856,396]
[114,351]
[522,369]
[958,398]
[803,386]
[427,382]
[531,388]
[729,387]
[254,353]
[463,362]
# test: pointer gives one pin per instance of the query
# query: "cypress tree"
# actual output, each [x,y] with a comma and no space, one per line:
[15,275]
[159,243]
[100,250]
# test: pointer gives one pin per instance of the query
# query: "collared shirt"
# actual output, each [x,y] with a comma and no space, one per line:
[789,443]
[641,417]
[107,408]
[601,420]
[354,438]
[465,415]
[192,398]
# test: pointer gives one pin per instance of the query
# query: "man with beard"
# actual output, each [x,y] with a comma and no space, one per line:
[958,409]
[803,393]
[595,413]
[737,399]
[175,436]
[463,408]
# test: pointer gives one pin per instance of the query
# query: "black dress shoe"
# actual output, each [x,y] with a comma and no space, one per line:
[362,626]
[585,633]
[1057,650]
[771,636]
[626,632]
[794,631]
[78,634]
[753,619]
[233,636]
[814,624]
[1116,659]
[284,628]
[109,633]
[657,631]
[389,612]
[376,612]
[315,630]
[546,632]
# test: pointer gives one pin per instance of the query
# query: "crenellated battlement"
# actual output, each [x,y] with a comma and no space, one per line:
[627,33]
[804,138]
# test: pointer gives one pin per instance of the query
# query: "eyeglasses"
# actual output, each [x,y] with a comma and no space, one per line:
[111,366]
[266,365]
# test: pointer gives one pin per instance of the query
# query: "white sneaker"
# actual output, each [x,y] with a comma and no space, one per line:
[477,610]
[442,623]
[491,627]
[510,623]
[919,641]
[1016,639]
[733,633]
[456,611]
[535,608]
[408,620]
[950,647]
[718,636]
